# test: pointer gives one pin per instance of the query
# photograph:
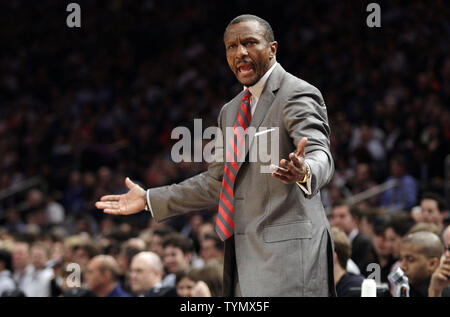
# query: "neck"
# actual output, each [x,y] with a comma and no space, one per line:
[105,290]
[338,273]
[384,260]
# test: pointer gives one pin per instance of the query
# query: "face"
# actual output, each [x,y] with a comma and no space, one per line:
[396,169]
[81,257]
[20,256]
[366,228]
[381,244]
[174,259]
[204,230]
[156,245]
[38,257]
[343,219]
[142,276]
[95,278]
[416,266]
[209,250]
[184,287]
[393,241]
[249,54]
[430,212]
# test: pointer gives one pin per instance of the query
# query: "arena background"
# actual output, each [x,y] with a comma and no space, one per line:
[82,108]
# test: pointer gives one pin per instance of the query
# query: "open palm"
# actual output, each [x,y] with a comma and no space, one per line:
[125,204]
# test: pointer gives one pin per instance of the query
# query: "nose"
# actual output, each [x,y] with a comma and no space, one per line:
[402,265]
[241,51]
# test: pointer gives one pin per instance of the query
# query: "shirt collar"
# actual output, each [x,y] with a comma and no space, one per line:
[257,88]
[353,235]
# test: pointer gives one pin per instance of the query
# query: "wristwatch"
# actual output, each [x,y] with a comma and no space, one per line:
[307,175]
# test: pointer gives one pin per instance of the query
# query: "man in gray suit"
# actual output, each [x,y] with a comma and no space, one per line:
[277,237]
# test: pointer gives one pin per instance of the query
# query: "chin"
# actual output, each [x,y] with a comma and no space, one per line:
[248,82]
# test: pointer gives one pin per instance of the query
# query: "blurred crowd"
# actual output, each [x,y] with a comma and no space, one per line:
[81,109]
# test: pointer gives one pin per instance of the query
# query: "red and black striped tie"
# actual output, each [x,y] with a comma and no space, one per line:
[235,149]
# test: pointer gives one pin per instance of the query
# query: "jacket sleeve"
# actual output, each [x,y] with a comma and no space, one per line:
[305,115]
[198,192]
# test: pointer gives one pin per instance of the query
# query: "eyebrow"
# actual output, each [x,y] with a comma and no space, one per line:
[243,38]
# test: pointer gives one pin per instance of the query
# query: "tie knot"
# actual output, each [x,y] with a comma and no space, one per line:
[247,94]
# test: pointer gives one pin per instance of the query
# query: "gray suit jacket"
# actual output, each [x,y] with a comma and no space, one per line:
[282,242]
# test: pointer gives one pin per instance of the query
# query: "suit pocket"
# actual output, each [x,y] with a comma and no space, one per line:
[287,231]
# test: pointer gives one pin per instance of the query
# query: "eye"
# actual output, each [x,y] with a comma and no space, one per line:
[231,46]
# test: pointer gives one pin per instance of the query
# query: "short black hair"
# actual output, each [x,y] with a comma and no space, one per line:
[177,240]
[218,244]
[439,200]
[270,37]
[380,224]
[401,223]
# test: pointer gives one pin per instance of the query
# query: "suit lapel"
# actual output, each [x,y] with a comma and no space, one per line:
[264,103]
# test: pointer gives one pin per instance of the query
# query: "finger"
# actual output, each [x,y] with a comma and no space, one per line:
[129,183]
[301,147]
[107,204]
[445,271]
[282,178]
[112,211]
[101,205]
[284,163]
[296,160]
[441,277]
[293,169]
[110,198]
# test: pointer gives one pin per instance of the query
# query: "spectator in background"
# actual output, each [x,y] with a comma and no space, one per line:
[396,229]
[205,228]
[177,256]
[440,280]
[127,251]
[366,219]
[156,243]
[37,282]
[212,248]
[363,181]
[146,272]
[21,263]
[6,280]
[343,280]
[420,253]
[368,138]
[102,277]
[433,209]
[191,228]
[423,226]
[83,252]
[185,283]
[380,252]
[212,277]
[346,219]
[404,195]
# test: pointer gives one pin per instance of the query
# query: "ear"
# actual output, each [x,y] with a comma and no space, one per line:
[273,49]
[433,264]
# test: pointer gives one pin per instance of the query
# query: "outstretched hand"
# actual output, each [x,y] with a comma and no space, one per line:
[295,169]
[125,204]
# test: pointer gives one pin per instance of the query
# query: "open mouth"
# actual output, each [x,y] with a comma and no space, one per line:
[245,69]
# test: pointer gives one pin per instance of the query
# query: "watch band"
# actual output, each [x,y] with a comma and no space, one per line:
[307,175]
